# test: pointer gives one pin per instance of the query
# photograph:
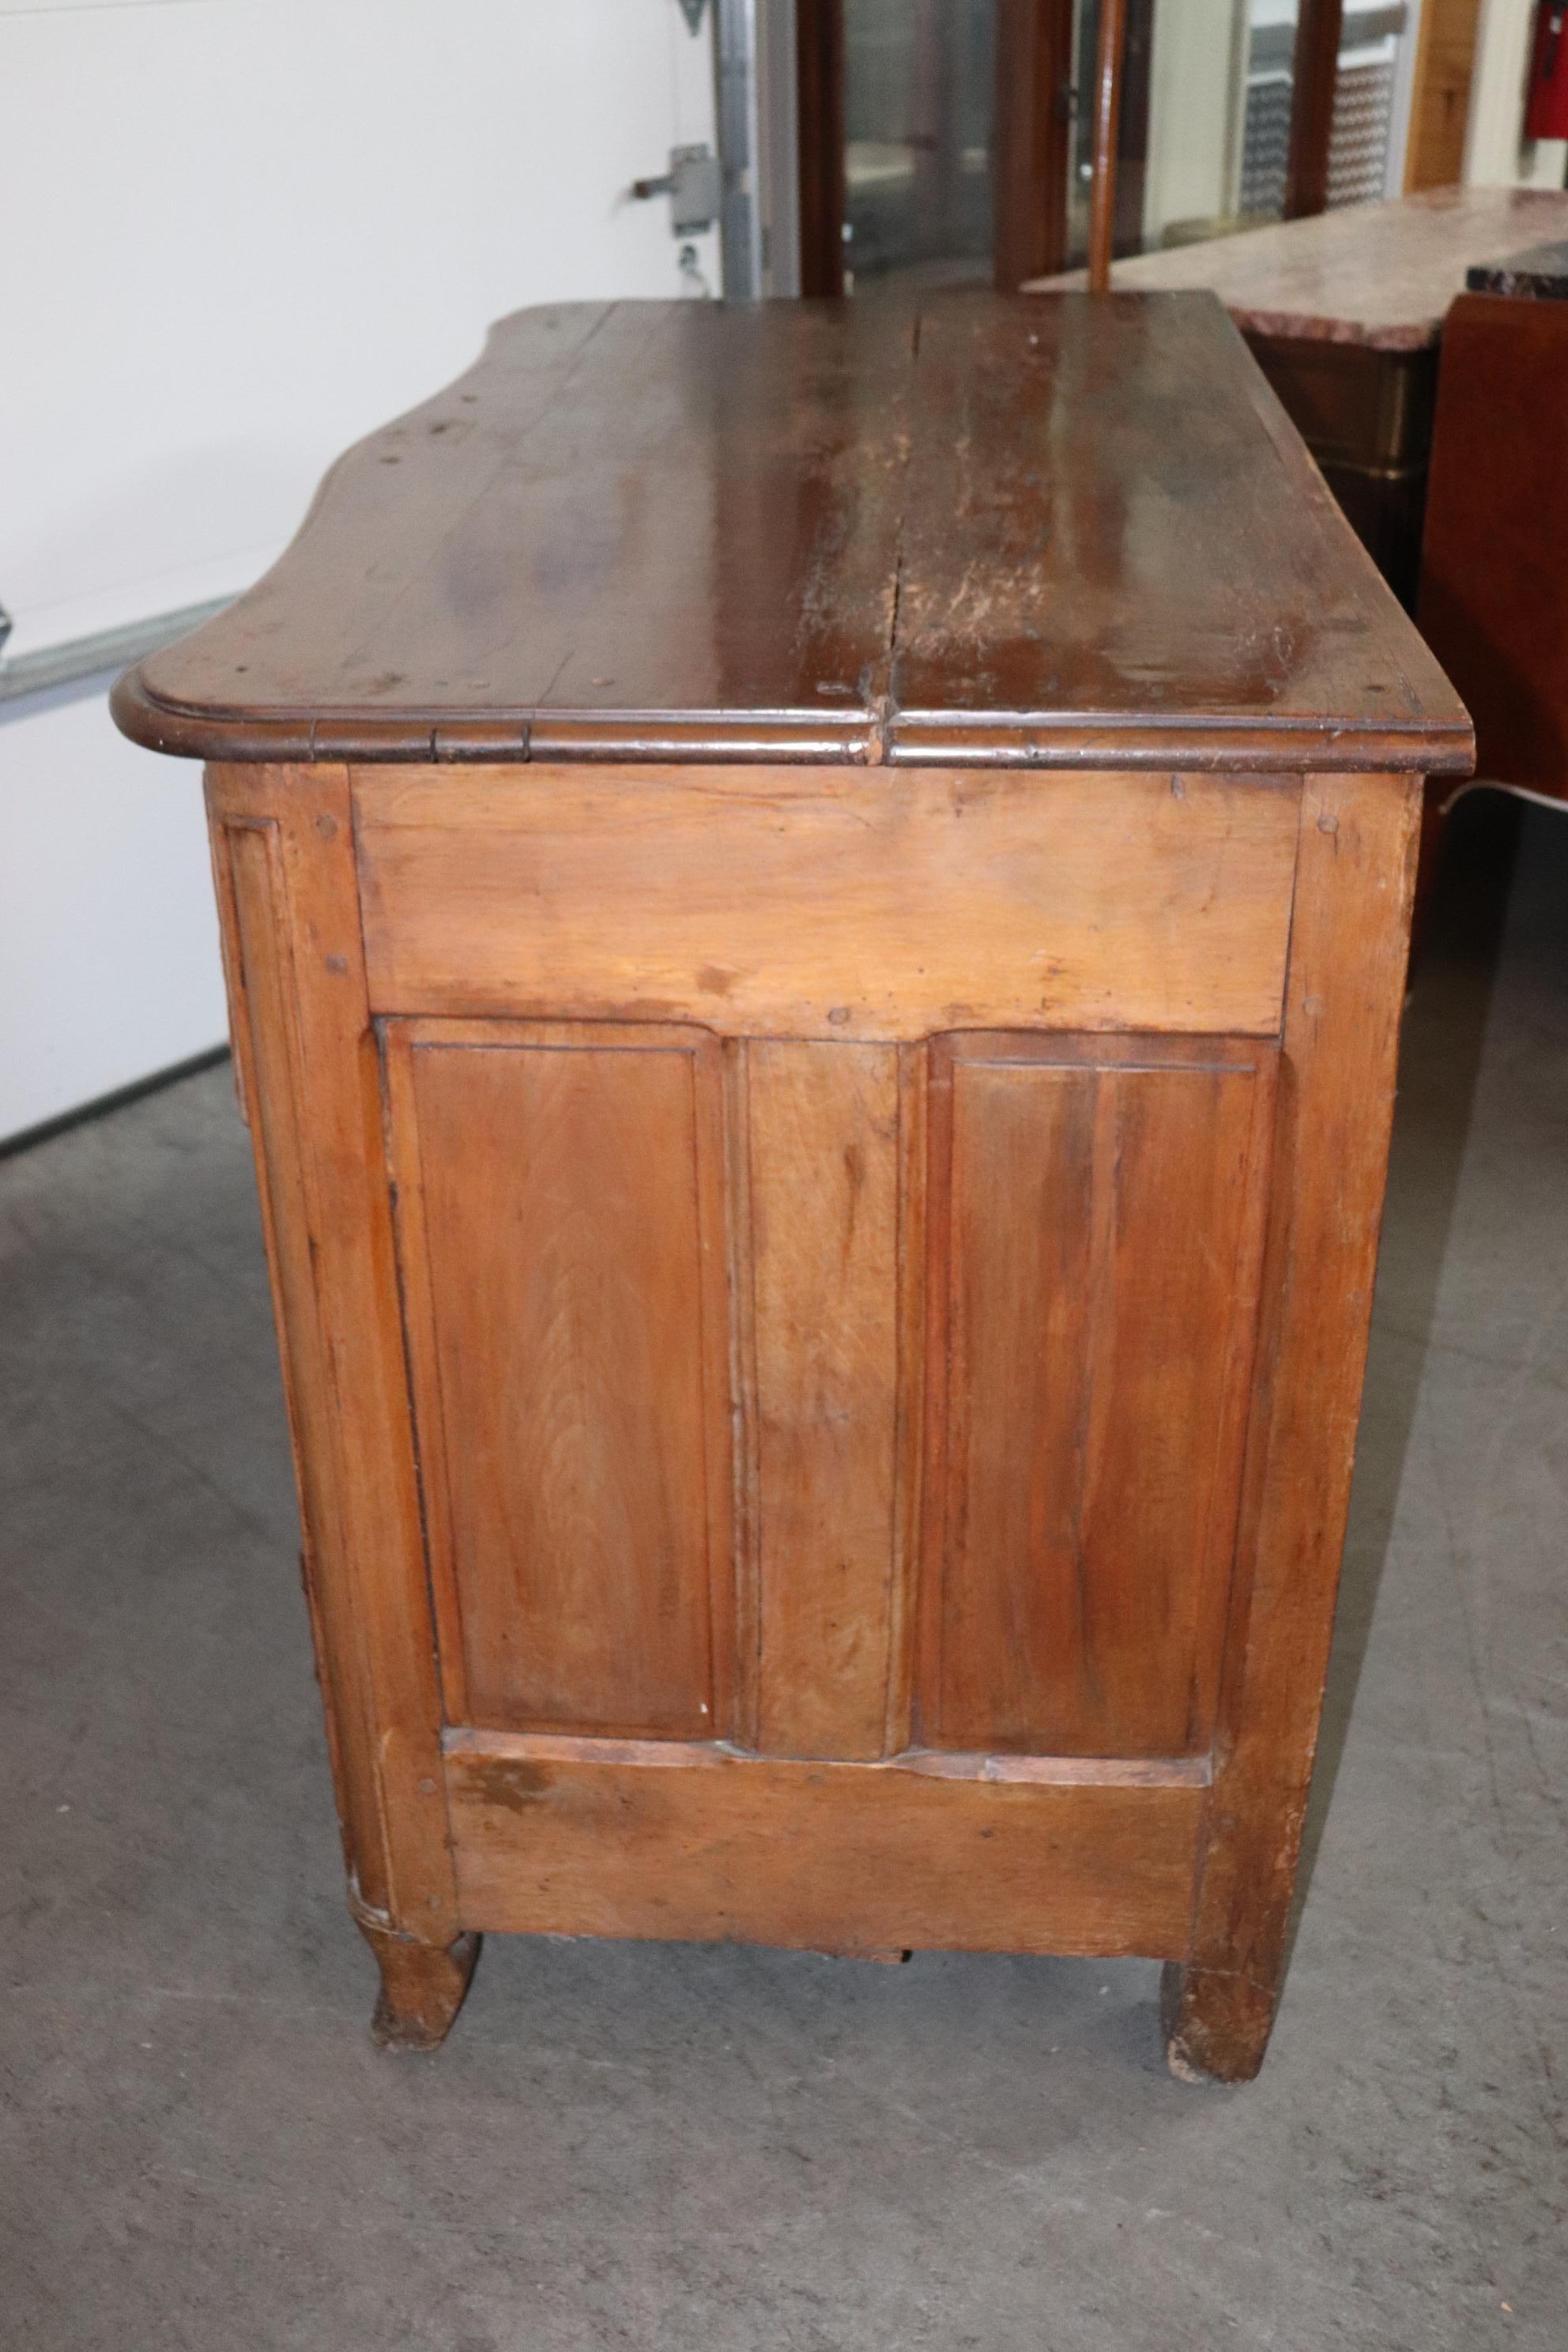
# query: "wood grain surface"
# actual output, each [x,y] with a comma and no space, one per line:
[597,1838]
[822,1133]
[825,531]
[561,1225]
[836,904]
[1095,1218]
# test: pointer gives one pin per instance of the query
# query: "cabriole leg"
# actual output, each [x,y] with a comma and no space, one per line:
[1216,2025]
[422,1987]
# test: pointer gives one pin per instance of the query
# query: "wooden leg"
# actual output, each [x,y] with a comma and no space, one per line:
[311,1083]
[1216,2025]
[1341,1025]
[422,1987]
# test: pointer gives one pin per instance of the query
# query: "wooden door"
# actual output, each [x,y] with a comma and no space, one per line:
[1018,114]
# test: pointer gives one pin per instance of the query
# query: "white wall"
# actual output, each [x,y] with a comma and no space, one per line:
[1195,99]
[240,234]
[1497,152]
[108,959]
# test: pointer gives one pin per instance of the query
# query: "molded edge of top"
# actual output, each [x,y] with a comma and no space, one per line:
[1043,740]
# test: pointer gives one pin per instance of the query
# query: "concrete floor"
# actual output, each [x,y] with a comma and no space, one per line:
[672,2147]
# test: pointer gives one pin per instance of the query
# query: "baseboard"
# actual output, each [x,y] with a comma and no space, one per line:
[100,1105]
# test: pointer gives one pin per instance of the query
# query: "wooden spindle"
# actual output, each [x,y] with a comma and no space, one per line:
[1107,124]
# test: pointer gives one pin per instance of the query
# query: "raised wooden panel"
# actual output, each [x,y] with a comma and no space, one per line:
[597,1837]
[840,904]
[822,1151]
[561,1229]
[1094,1221]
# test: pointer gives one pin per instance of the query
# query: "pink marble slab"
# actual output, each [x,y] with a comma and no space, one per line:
[1379,274]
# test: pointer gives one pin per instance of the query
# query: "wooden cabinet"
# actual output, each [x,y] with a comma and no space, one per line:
[1365,413]
[1494,581]
[816,908]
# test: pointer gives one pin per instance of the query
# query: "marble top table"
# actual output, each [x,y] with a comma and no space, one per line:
[1541,273]
[1381,274]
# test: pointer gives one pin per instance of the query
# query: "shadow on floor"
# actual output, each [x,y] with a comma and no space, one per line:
[1441,1042]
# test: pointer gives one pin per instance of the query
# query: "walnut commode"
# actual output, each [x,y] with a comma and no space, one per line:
[815,904]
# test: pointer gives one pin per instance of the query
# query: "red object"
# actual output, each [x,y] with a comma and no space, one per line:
[1546,112]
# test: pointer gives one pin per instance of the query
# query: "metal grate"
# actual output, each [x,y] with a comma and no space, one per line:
[1358,145]
[1265,144]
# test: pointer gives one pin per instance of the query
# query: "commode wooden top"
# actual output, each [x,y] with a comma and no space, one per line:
[1071,533]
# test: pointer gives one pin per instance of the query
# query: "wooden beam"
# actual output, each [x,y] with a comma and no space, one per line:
[1107,125]
[1313,108]
[819,65]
